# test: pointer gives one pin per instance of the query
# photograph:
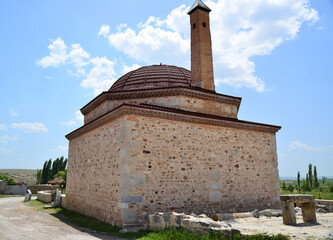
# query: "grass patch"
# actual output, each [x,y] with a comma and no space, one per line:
[8,196]
[183,234]
[38,205]
[85,221]
[78,220]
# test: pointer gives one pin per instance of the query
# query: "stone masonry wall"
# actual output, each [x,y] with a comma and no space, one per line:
[179,102]
[136,165]
[183,167]
[45,196]
[93,174]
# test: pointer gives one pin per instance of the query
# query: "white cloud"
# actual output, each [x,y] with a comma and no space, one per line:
[79,116]
[151,45]
[101,76]
[127,69]
[30,127]
[78,57]
[98,73]
[6,138]
[58,54]
[240,30]
[243,29]
[13,114]
[104,30]
[77,121]
[3,127]
[62,149]
[298,146]
[68,123]
[120,27]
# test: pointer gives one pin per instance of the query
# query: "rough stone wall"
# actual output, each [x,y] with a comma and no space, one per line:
[93,174]
[177,166]
[44,196]
[179,102]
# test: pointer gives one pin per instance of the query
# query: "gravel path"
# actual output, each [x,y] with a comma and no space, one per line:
[18,221]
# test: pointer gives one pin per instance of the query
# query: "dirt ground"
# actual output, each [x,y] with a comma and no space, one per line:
[273,225]
[18,221]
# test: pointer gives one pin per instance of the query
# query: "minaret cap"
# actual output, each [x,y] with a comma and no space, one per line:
[199,4]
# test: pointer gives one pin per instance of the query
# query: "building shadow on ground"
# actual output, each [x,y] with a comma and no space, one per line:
[94,227]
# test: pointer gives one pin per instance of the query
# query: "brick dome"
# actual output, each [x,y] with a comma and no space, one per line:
[152,77]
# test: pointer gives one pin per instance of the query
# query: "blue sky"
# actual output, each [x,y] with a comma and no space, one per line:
[58,55]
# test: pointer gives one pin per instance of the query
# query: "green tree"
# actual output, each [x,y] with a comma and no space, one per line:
[290,188]
[310,176]
[62,175]
[324,180]
[305,186]
[39,176]
[49,170]
[284,185]
[64,166]
[44,173]
[52,168]
[299,179]
[316,182]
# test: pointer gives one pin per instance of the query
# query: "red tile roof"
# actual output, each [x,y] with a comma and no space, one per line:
[56,181]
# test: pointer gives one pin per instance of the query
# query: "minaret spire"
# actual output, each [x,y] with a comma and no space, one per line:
[201,47]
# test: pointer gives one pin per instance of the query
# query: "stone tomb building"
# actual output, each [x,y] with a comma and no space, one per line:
[162,139]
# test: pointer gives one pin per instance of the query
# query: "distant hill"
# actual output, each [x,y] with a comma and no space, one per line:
[24,175]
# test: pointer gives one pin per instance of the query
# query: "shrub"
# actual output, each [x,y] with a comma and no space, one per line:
[284,185]
[318,194]
[331,188]
[290,188]
[9,180]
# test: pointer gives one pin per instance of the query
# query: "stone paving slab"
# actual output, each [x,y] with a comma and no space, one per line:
[274,225]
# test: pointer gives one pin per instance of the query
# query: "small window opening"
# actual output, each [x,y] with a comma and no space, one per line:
[194,26]
[204,24]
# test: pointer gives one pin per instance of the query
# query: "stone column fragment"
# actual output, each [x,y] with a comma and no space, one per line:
[309,212]
[288,213]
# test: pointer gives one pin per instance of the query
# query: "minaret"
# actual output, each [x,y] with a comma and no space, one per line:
[201,47]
